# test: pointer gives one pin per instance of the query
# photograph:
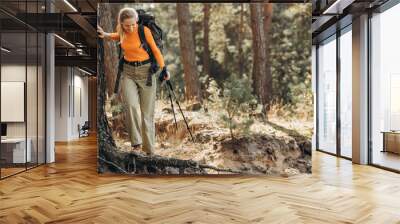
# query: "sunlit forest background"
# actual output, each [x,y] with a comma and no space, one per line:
[242,73]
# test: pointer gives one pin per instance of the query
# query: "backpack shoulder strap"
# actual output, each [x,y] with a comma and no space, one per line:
[142,37]
[120,51]
[120,67]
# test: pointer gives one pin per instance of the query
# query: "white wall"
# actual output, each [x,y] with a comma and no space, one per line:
[13,73]
[80,89]
[70,83]
[61,103]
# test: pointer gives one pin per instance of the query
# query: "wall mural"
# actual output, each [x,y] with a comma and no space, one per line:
[204,88]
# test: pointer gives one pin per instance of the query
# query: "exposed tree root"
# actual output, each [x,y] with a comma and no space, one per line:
[135,163]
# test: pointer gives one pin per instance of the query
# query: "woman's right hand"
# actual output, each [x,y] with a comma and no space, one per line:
[101,32]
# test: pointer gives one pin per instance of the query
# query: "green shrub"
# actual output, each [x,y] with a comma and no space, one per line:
[237,96]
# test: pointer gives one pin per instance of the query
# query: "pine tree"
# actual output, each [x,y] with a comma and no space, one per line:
[191,77]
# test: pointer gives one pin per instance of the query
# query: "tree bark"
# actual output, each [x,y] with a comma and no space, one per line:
[267,84]
[191,77]
[240,42]
[259,50]
[206,50]
[107,22]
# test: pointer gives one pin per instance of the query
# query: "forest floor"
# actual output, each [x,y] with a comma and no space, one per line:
[274,147]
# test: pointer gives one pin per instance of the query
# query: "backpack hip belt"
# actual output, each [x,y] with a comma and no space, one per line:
[137,63]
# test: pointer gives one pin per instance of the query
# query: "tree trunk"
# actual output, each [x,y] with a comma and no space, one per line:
[240,42]
[108,25]
[191,78]
[206,50]
[259,50]
[106,11]
[267,85]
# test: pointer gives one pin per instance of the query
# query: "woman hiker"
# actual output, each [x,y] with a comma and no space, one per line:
[135,73]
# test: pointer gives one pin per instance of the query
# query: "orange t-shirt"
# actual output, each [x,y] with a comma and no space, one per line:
[132,49]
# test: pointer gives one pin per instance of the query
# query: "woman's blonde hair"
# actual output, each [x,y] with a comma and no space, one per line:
[125,13]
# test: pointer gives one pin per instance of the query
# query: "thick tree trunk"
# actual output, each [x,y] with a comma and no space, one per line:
[107,15]
[267,84]
[259,49]
[107,22]
[191,77]
[206,50]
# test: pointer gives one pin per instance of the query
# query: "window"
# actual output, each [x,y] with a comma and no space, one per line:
[385,88]
[327,95]
[346,92]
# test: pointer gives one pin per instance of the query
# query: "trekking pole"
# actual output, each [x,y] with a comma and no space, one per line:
[179,106]
[173,109]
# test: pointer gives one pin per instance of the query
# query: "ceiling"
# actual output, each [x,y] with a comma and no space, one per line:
[73,21]
[332,15]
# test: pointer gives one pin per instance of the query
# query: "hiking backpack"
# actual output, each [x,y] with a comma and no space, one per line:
[146,19]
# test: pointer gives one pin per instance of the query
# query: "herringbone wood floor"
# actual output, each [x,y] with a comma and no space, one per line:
[71,191]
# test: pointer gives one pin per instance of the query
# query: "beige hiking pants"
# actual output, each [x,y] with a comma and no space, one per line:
[140,102]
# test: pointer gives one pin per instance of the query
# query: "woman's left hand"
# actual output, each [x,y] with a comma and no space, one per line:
[165,74]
